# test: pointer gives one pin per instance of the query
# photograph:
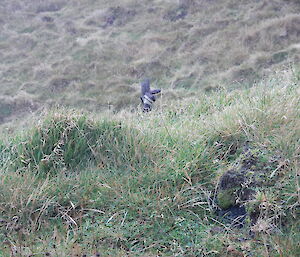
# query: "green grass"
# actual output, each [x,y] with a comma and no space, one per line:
[138,184]
[72,141]
[125,183]
[215,42]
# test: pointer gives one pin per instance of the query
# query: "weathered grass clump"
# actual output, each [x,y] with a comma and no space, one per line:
[70,141]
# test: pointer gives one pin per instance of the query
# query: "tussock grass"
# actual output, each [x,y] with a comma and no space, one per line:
[142,185]
[70,141]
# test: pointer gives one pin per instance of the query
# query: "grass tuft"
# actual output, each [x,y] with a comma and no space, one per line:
[70,141]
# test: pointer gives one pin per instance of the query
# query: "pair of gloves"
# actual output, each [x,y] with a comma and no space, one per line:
[147,95]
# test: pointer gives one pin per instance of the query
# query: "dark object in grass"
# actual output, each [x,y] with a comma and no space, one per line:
[148,95]
[234,216]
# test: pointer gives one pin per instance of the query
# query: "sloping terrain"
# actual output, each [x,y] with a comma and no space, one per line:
[213,175]
[212,171]
[91,54]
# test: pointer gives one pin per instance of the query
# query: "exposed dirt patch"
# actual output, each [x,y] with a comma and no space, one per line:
[237,187]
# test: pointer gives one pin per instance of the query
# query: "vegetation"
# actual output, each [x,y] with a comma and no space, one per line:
[148,185]
[213,170]
[91,54]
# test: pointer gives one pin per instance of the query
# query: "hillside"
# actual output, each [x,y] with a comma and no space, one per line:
[213,170]
[213,175]
[92,54]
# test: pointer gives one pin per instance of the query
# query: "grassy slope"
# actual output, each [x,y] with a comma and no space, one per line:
[149,182]
[130,184]
[90,54]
